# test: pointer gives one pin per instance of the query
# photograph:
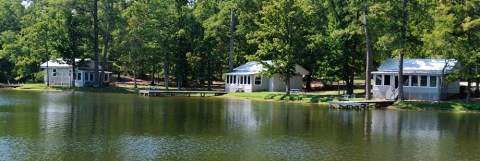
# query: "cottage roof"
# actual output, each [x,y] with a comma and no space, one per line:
[255,67]
[60,63]
[419,65]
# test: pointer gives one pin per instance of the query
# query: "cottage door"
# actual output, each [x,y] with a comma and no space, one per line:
[392,92]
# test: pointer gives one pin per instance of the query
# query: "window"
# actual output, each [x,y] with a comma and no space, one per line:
[378,80]
[244,79]
[227,79]
[54,72]
[234,79]
[91,77]
[241,79]
[433,81]
[105,78]
[258,80]
[86,76]
[386,80]
[69,73]
[248,82]
[414,80]
[423,81]
[406,80]
[79,76]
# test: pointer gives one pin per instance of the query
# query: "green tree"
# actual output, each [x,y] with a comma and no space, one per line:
[282,36]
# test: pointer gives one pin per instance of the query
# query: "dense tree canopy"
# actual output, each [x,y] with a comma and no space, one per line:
[187,41]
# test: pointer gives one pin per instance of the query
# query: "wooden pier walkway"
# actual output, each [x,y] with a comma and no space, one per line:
[151,93]
[360,104]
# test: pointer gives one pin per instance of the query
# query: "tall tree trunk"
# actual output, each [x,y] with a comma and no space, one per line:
[476,79]
[152,77]
[74,72]
[469,84]
[230,56]
[308,82]
[209,75]
[106,40]
[105,52]
[166,75]
[352,75]
[95,43]
[135,75]
[287,85]
[400,55]
[368,67]
[47,55]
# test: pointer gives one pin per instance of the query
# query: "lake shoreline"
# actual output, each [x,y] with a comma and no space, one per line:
[318,98]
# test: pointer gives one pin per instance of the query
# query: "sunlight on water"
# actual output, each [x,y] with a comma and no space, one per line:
[191,148]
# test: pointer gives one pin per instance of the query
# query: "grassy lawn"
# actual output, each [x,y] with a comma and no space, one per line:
[82,89]
[321,97]
[310,97]
[443,105]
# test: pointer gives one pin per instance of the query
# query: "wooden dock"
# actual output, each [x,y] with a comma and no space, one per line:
[360,104]
[153,93]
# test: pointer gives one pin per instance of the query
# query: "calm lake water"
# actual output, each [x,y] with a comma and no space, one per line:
[89,126]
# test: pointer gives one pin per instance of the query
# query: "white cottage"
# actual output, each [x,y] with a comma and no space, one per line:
[60,73]
[423,79]
[246,78]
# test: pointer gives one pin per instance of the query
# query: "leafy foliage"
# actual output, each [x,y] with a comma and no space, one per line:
[187,41]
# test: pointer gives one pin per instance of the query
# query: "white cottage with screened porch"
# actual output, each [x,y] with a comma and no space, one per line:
[424,79]
[60,73]
[247,78]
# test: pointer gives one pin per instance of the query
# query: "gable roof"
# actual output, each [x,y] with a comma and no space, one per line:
[254,67]
[419,65]
[60,63]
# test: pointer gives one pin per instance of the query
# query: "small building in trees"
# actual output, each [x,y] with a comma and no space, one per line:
[248,78]
[424,79]
[61,73]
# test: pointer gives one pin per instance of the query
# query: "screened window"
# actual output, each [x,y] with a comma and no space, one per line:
[433,81]
[386,80]
[54,72]
[378,80]
[248,79]
[70,73]
[241,80]
[234,79]
[79,76]
[91,76]
[86,76]
[244,79]
[414,80]
[406,80]
[105,78]
[258,80]
[423,81]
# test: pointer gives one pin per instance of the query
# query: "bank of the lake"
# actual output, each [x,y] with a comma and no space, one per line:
[44,87]
[457,105]
[321,97]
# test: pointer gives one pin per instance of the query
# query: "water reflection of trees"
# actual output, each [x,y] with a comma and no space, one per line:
[82,125]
